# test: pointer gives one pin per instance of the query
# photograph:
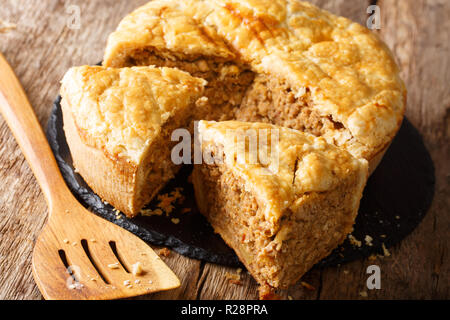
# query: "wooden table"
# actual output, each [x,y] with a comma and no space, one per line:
[44,45]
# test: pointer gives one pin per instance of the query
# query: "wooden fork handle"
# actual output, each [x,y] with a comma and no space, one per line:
[19,115]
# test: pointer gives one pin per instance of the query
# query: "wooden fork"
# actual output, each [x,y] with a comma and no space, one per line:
[78,255]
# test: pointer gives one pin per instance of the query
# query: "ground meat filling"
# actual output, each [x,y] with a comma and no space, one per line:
[235,92]
[271,100]
[304,236]
[234,213]
[227,81]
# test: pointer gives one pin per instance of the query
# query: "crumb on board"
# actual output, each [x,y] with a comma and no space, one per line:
[234,278]
[113,265]
[127,283]
[166,204]
[386,252]
[136,269]
[175,220]
[290,298]
[118,214]
[355,242]
[368,240]
[6,26]
[372,257]
[185,210]
[167,200]
[76,285]
[165,252]
[306,285]
[66,241]
[150,212]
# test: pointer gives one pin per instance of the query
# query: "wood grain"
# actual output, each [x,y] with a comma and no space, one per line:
[41,49]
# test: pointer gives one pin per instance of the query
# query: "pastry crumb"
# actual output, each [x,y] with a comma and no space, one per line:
[368,239]
[164,252]
[6,26]
[372,257]
[150,212]
[136,269]
[363,294]
[127,283]
[355,242]
[175,220]
[385,250]
[234,278]
[167,200]
[307,286]
[113,265]
[76,285]
[185,210]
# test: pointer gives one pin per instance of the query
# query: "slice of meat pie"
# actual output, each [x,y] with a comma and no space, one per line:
[118,125]
[282,199]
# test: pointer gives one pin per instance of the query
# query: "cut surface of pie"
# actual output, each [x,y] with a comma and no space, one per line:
[283,200]
[284,62]
[118,125]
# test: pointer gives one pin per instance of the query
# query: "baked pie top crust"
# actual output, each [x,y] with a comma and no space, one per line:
[121,111]
[347,71]
[290,163]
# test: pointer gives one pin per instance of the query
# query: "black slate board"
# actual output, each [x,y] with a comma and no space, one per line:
[396,198]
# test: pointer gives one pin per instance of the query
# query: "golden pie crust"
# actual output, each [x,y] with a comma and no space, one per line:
[343,71]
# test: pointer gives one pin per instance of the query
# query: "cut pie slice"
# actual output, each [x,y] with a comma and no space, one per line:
[282,199]
[118,125]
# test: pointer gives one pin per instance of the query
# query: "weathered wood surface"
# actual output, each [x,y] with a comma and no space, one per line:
[41,48]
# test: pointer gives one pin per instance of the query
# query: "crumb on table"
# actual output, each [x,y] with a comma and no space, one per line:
[306,285]
[234,278]
[6,26]
[165,252]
